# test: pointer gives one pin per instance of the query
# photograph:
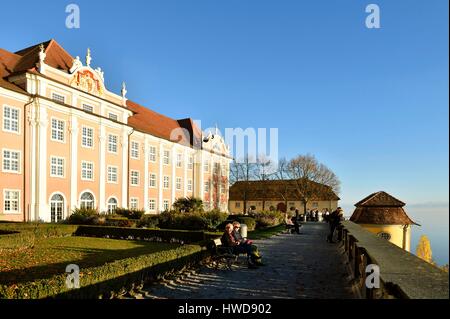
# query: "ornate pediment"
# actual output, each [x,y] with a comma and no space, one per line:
[86,78]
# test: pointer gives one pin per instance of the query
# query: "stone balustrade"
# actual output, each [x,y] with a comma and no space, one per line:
[402,274]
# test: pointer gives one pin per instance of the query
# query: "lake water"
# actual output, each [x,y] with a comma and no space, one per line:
[434,221]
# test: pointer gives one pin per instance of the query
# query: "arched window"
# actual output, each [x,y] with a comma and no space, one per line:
[56,208]
[87,200]
[112,205]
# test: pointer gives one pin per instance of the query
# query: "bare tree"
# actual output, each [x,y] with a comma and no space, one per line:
[311,178]
[243,171]
[263,171]
[283,188]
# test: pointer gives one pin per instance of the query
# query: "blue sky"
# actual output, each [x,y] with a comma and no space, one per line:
[372,104]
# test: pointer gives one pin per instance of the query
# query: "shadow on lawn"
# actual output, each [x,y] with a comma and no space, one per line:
[92,257]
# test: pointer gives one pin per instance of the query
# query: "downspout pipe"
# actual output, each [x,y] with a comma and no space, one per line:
[128,167]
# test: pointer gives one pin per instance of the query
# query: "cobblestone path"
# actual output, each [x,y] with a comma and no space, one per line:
[297,266]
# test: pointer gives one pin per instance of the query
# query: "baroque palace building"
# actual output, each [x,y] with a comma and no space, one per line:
[67,142]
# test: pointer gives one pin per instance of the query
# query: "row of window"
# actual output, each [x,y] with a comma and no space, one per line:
[11,202]
[86,107]
[11,124]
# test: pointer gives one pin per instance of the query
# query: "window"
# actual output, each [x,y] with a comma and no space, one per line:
[134,178]
[87,171]
[152,180]
[206,166]
[216,168]
[113,116]
[88,108]
[87,139]
[134,203]
[178,183]
[11,201]
[112,174]
[87,200]
[179,159]
[166,157]
[135,150]
[11,119]
[11,161]
[166,182]
[56,166]
[58,97]
[315,205]
[237,205]
[112,205]
[56,208]
[152,204]
[384,235]
[191,162]
[152,154]
[112,143]
[58,130]
[206,186]
[166,205]
[189,185]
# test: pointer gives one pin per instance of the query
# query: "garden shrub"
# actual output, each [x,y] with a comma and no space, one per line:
[148,221]
[108,280]
[84,216]
[242,219]
[268,218]
[130,213]
[159,235]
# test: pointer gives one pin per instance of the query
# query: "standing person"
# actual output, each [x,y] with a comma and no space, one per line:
[316,215]
[334,220]
[326,215]
[296,222]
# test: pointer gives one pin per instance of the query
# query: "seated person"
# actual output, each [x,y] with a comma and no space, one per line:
[237,234]
[228,240]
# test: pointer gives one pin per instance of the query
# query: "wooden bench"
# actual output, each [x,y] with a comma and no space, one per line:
[222,255]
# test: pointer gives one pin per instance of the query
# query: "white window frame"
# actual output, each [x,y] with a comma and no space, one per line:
[134,150]
[136,200]
[206,166]
[179,162]
[206,186]
[11,108]
[55,99]
[152,202]
[190,162]
[152,154]
[150,180]
[19,161]
[92,173]
[178,183]
[110,174]
[18,211]
[189,185]
[87,108]
[57,166]
[114,116]
[166,204]
[87,138]
[133,177]
[114,144]
[58,130]
[166,181]
[166,159]
[109,205]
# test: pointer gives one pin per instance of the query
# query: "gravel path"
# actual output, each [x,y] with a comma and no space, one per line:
[297,266]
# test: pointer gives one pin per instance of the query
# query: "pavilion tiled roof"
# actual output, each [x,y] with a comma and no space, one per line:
[144,119]
[381,208]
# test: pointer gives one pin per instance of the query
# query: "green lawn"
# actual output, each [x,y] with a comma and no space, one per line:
[50,256]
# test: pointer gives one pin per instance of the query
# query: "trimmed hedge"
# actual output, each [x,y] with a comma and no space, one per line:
[247,220]
[109,279]
[158,235]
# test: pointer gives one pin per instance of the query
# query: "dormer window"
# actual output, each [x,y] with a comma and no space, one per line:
[58,97]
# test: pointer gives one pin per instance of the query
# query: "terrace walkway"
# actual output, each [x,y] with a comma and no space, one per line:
[297,266]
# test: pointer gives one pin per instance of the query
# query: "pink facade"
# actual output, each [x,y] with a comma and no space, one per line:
[67,142]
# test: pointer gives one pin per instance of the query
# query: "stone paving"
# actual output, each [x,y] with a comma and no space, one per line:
[297,266]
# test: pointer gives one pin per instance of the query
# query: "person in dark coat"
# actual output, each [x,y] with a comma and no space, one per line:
[334,219]
[228,240]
